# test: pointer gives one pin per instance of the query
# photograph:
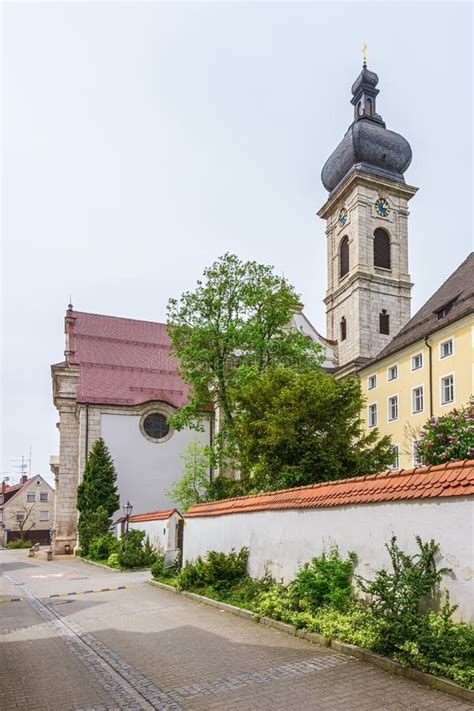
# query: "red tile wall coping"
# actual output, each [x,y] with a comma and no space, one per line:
[443,480]
[150,516]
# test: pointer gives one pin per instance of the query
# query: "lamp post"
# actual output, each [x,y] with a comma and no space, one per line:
[127,509]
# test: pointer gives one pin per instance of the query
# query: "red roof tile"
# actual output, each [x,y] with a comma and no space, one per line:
[123,361]
[150,516]
[420,483]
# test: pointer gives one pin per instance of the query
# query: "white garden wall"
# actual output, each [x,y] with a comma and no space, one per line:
[280,541]
[162,534]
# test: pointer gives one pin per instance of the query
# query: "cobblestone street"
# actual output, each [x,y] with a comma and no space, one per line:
[133,646]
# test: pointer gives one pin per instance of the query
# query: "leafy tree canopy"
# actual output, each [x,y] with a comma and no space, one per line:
[233,326]
[194,485]
[297,428]
[448,438]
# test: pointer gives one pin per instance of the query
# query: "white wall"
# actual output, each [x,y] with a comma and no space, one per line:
[162,534]
[280,541]
[145,469]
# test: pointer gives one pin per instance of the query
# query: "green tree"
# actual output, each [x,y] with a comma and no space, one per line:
[448,438]
[194,485]
[233,326]
[297,428]
[97,495]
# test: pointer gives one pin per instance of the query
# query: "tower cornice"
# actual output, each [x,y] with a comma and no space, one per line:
[358,176]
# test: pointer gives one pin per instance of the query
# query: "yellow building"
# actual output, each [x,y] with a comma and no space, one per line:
[428,367]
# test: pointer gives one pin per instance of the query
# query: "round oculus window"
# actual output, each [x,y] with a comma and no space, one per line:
[155,425]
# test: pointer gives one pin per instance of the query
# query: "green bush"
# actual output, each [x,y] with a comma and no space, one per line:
[149,553]
[441,647]
[398,598]
[157,569]
[18,543]
[113,560]
[327,580]
[103,546]
[219,571]
[134,551]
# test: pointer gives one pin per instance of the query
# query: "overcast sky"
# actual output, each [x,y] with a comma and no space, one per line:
[143,140]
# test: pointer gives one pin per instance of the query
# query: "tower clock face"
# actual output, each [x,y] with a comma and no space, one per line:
[382,207]
[342,217]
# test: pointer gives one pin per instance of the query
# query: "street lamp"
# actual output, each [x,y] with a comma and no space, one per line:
[127,509]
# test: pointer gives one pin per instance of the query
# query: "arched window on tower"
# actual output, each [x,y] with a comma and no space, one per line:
[344,257]
[382,249]
[368,107]
[343,328]
[359,108]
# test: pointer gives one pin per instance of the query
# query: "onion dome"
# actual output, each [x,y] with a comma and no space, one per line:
[368,145]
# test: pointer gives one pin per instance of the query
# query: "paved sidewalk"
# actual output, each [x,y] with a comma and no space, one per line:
[144,648]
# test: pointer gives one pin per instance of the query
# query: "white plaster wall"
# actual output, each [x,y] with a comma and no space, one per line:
[280,541]
[162,534]
[145,469]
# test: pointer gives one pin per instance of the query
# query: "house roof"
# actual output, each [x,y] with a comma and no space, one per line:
[457,290]
[123,361]
[452,479]
[150,516]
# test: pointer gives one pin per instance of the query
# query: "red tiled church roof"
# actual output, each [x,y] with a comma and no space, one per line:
[452,479]
[123,361]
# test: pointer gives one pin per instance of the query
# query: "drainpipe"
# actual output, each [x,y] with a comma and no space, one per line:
[430,370]
[87,433]
[211,441]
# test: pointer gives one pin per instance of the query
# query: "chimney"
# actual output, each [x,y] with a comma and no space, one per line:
[24,479]
[4,486]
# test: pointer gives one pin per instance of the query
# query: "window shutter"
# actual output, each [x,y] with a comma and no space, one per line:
[344,256]
[343,329]
[382,249]
[384,323]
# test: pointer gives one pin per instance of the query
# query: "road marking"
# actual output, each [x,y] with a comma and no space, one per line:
[85,592]
[11,599]
[67,594]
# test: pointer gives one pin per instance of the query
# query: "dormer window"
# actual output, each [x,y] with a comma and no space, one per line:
[444,311]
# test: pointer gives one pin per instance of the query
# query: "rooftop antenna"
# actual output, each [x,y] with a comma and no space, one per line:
[364,55]
[70,306]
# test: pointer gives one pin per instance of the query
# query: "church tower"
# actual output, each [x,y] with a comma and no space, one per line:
[369,288]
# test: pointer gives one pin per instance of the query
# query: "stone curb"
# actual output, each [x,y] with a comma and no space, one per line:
[365,655]
[108,567]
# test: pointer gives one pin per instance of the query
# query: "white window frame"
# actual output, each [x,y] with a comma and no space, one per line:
[417,355]
[416,462]
[30,497]
[441,389]
[22,514]
[446,340]
[394,365]
[44,516]
[374,424]
[417,387]
[369,387]
[393,419]
[44,494]
[396,463]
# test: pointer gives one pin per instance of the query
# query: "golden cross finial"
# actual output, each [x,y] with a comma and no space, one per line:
[364,52]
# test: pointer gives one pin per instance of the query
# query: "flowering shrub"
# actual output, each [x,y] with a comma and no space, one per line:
[448,438]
